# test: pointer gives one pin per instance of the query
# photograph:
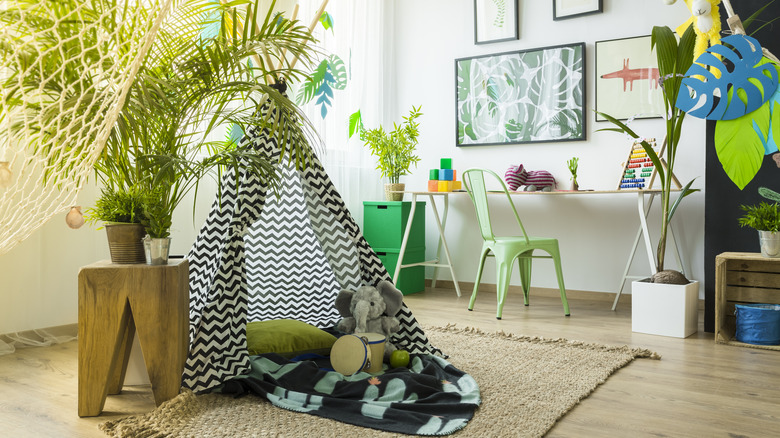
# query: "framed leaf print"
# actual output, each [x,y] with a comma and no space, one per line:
[627,82]
[563,9]
[495,20]
[535,95]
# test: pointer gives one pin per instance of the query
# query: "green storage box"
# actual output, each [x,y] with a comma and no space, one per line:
[412,279]
[384,223]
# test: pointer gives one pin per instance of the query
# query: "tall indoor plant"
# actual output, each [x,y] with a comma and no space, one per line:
[394,149]
[669,309]
[673,62]
[194,81]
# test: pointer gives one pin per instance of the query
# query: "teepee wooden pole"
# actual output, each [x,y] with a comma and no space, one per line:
[284,51]
[311,26]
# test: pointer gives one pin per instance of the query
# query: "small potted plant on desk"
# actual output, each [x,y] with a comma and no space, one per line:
[394,149]
[764,218]
[573,164]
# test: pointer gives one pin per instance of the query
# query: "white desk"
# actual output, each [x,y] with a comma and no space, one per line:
[644,203]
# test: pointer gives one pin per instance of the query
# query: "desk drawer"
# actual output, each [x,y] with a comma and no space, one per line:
[384,223]
[411,280]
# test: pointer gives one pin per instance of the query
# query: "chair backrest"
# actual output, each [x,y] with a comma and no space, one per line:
[474,181]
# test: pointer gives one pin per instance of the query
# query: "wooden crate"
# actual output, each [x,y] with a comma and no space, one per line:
[743,278]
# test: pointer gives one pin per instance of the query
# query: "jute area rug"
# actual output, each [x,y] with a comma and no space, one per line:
[526,385]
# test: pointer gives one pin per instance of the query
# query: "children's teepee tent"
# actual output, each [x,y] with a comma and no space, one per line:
[263,255]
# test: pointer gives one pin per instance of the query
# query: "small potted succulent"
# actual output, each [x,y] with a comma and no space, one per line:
[764,218]
[573,164]
[394,149]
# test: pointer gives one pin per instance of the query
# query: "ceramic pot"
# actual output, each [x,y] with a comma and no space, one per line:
[125,241]
[770,243]
[665,309]
[389,188]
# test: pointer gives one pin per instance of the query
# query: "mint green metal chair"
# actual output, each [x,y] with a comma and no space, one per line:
[507,249]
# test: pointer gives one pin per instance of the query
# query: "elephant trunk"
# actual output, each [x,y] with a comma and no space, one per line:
[361,314]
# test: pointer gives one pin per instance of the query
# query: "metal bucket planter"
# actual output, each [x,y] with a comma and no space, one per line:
[770,243]
[157,250]
[125,241]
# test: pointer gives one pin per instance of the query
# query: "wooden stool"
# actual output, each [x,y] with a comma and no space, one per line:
[117,300]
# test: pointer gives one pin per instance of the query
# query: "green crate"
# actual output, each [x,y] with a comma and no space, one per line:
[411,280]
[384,223]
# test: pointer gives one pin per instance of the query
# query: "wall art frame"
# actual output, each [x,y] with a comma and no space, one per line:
[523,96]
[495,21]
[565,9]
[627,79]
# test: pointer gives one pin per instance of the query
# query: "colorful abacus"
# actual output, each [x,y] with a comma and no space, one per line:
[639,168]
[444,179]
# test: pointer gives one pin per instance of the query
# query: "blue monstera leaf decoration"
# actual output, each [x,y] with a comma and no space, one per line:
[741,88]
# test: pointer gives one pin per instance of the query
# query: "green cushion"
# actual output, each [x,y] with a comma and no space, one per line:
[287,338]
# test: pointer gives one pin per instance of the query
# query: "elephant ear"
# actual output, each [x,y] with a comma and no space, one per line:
[393,297]
[343,300]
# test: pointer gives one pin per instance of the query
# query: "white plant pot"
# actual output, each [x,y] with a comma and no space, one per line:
[665,309]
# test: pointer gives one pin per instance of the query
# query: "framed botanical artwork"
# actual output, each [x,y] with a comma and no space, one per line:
[563,9]
[535,95]
[495,20]
[627,80]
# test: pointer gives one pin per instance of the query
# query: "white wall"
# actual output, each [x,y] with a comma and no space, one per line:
[596,231]
[38,278]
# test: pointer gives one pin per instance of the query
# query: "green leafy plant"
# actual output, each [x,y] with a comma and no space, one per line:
[192,84]
[394,149]
[673,61]
[118,206]
[761,217]
[573,164]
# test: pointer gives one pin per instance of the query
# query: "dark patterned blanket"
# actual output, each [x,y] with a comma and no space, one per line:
[431,397]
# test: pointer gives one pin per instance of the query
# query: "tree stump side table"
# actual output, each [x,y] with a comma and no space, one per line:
[115,302]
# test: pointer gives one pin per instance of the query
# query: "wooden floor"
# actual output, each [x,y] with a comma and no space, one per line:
[698,389]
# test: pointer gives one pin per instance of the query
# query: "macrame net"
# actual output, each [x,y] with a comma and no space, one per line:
[66,68]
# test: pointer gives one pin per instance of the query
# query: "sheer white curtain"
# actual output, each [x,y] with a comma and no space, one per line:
[359,38]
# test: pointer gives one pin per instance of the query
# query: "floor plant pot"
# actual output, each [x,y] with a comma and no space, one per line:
[125,241]
[157,250]
[389,188]
[770,243]
[665,309]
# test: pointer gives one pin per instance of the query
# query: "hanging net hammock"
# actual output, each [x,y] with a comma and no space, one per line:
[66,67]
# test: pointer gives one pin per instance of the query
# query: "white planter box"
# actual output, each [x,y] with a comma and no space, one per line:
[665,309]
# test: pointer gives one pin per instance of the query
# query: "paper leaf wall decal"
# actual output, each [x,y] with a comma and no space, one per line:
[740,90]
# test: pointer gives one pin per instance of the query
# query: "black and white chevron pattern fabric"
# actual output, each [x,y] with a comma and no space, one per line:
[260,256]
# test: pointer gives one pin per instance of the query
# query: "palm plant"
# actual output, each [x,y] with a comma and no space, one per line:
[673,61]
[190,85]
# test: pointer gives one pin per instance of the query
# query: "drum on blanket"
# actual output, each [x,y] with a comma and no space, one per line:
[358,352]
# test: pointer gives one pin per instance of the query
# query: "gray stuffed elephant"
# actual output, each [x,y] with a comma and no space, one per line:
[371,310]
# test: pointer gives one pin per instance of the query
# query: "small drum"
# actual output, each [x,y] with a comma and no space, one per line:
[358,352]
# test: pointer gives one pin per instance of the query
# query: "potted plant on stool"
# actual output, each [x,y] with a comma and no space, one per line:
[394,150]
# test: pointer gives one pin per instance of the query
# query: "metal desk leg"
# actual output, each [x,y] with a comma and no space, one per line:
[405,239]
[643,229]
